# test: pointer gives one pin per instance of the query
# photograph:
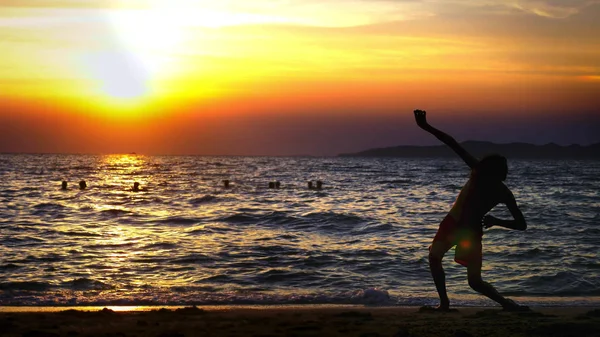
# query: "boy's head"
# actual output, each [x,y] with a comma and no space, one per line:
[492,167]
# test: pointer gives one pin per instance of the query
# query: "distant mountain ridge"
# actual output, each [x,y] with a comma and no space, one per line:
[480,149]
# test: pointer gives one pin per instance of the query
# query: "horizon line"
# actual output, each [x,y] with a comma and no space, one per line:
[277,155]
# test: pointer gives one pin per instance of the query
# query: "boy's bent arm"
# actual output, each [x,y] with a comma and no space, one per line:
[518,223]
[510,224]
[420,117]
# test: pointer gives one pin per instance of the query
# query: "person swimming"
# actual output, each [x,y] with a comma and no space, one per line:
[82,185]
[463,225]
[136,187]
[63,186]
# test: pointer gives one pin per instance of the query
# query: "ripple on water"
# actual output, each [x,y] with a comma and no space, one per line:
[188,240]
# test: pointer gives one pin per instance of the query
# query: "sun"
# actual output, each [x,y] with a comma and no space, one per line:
[146,39]
[153,45]
[139,52]
[119,74]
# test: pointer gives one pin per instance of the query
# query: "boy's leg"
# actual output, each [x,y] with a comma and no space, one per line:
[436,253]
[482,287]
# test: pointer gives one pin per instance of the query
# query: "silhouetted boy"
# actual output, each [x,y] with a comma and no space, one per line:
[463,226]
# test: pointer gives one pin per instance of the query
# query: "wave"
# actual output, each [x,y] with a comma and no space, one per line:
[327,221]
[86,284]
[110,246]
[160,245]
[26,285]
[9,266]
[564,283]
[88,292]
[533,253]
[80,234]
[320,220]
[152,260]
[201,294]
[279,218]
[203,200]
[396,181]
[377,228]
[240,219]
[221,278]
[335,218]
[198,230]
[48,205]
[82,168]
[590,232]
[319,261]
[276,250]
[29,189]
[366,253]
[177,220]
[47,208]
[285,276]
[114,212]
[193,259]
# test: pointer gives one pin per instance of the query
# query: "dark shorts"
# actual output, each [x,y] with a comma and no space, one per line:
[467,241]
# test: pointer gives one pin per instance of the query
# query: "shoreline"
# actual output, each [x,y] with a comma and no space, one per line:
[359,321]
[227,307]
[534,302]
[258,307]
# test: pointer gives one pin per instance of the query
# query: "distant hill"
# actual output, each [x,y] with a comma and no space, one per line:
[479,149]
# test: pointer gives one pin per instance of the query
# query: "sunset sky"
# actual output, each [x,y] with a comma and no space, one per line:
[293,77]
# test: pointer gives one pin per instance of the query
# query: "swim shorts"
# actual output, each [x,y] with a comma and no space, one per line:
[467,241]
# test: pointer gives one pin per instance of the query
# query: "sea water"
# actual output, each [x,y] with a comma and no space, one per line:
[185,239]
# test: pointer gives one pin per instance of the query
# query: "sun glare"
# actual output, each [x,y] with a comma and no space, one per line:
[145,40]
[152,48]
[149,40]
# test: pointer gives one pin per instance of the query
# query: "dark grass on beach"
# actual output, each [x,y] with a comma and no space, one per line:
[270,322]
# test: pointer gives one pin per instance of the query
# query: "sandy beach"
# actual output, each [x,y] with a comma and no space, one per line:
[303,321]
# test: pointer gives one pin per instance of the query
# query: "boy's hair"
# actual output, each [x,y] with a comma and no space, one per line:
[492,167]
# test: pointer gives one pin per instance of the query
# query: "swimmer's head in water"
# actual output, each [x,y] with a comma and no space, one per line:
[64,185]
[492,168]
[82,185]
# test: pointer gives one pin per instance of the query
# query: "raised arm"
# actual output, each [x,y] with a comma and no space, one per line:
[420,117]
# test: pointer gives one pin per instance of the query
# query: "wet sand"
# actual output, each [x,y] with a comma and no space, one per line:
[303,321]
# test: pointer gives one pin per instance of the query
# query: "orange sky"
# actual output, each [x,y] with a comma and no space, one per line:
[294,77]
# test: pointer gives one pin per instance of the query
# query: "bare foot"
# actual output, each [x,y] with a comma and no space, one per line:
[512,306]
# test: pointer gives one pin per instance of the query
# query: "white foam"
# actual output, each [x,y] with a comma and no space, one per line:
[374,296]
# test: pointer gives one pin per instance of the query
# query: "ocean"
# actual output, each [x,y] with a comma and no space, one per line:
[185,239]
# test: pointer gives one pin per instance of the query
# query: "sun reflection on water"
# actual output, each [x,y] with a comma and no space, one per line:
[124,169]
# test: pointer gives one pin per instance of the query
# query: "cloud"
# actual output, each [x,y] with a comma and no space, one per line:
[331,13]
[57,3]
[78,4]
[557,9]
